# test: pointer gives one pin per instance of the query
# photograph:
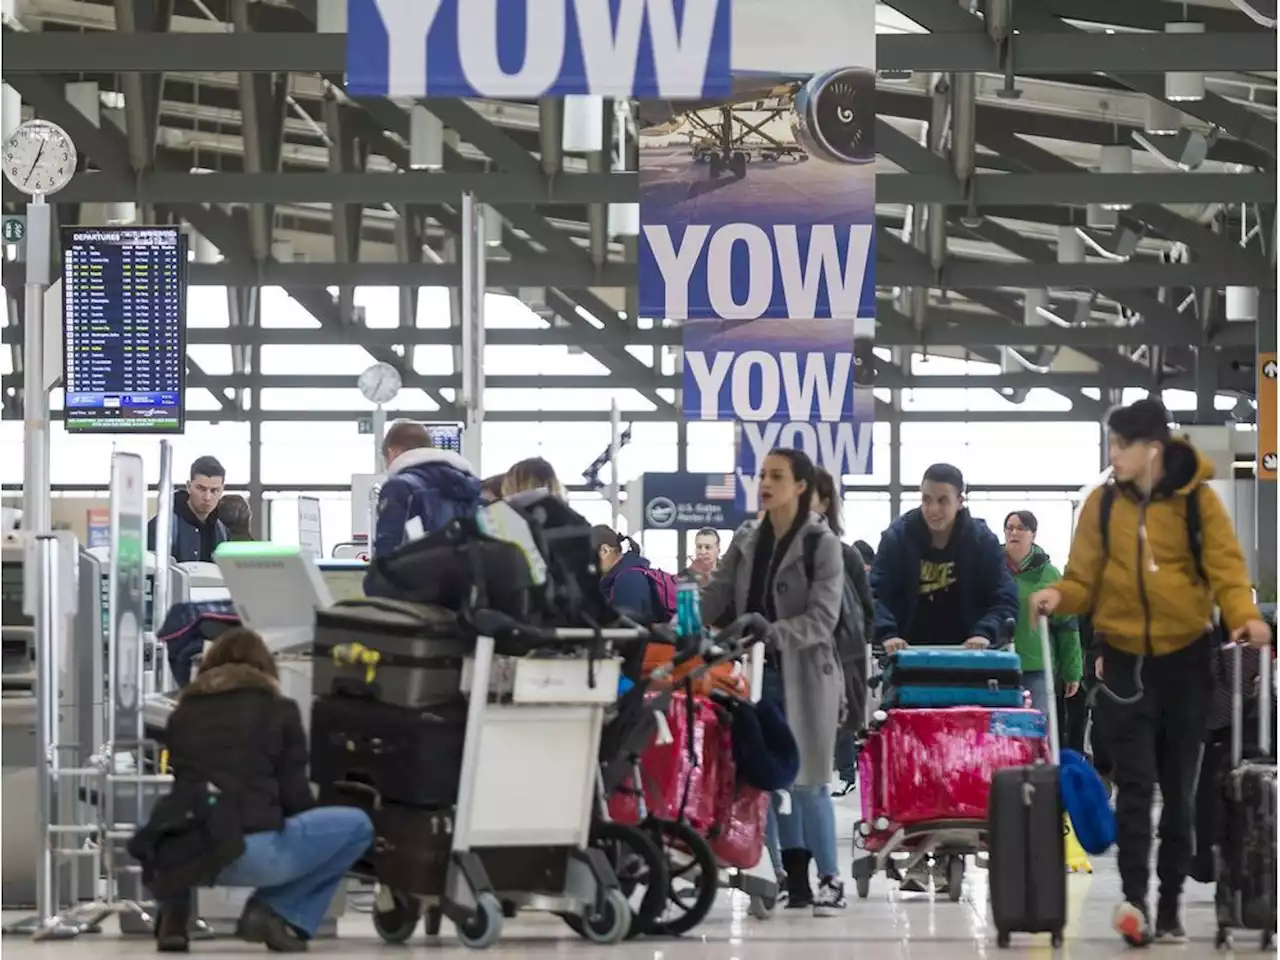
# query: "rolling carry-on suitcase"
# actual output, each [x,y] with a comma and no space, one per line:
[1246,860]
[410,756]
[953,678]
[407,654]
[1025,840]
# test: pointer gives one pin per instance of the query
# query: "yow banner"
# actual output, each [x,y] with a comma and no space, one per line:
[757,233]
[522,49]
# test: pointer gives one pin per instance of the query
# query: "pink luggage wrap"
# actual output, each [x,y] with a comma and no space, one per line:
[742,812]
[922,765]
[666,768]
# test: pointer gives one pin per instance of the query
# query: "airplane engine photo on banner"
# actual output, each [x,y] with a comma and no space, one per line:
[758,235]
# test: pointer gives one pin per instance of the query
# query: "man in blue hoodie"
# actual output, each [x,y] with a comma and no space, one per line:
[940,579]
[425,488]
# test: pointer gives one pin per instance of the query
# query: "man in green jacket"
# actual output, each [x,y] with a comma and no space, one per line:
[1032,571]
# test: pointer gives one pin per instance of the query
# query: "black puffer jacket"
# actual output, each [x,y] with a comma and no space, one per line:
[233,728]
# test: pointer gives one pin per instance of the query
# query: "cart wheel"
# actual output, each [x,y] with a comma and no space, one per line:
[611,924]
[738,164]
[1056,940]
[717,166]
[1222,939]
[431,921]
[396,925]
[483,928]
[862,870]
[1002,939]
[955,878]
[694,876]
[641,869]
[762,908]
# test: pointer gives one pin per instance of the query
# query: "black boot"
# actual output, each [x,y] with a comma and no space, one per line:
[171,925]
[259,924]
[795,863]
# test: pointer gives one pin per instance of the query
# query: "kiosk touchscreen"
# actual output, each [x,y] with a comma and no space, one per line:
[276,589]
[344,578]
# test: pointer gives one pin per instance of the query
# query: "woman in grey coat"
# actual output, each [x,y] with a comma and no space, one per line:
[765,572]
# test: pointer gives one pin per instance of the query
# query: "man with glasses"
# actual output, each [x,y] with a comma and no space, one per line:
[197,531]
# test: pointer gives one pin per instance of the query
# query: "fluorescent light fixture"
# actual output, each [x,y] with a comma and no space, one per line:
[1184,85]
[1116,158]
[583,127]
[491,225]
[426,139]
[1242,304]
[624,219]
[1162,117]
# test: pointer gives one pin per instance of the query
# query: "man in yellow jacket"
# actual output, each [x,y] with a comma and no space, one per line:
[1151,580]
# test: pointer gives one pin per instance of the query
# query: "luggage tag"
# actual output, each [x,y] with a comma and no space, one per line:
[664,737]
[784,803]
[413,529]
[357,654]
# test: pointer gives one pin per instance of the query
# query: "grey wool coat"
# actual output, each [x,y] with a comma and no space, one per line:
[803,634]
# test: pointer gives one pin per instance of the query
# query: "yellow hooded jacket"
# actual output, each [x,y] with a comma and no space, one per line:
[1146,597]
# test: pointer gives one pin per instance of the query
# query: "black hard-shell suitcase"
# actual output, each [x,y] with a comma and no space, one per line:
[410,849]
[1027,845]
[1246,860]
[407,755]
[407,654]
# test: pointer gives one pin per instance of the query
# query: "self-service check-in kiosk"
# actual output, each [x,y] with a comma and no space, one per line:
[19,703]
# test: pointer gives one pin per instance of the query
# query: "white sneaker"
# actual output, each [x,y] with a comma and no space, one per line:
[829,898]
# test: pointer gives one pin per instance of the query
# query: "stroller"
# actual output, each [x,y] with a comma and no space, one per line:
[669,841]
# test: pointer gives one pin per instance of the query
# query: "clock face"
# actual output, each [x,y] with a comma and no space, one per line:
[380,383]
[39,158]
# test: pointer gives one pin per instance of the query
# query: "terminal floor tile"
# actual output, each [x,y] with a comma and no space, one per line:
[888,926]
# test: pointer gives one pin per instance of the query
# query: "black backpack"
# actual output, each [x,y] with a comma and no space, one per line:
[1195,537]
[850,636]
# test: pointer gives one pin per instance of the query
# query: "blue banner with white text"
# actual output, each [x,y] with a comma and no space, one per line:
[523,49]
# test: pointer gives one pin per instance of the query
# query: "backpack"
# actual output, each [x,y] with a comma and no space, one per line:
[1195,537]
[849,637]
[663,587]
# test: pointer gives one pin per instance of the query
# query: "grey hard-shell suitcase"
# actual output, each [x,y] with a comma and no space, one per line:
[406,654]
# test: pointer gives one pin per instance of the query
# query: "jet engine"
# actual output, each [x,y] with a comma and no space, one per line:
[834,116]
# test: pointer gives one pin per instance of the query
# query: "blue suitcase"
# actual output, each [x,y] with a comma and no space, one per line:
[953,678]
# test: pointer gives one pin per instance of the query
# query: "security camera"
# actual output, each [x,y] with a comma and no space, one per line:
[834,116]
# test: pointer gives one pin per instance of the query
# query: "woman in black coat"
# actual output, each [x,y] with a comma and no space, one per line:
[235,730]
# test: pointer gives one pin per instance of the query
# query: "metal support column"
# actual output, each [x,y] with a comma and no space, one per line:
[1265,513]
[682,465]
[473,289]
[902,359]
[36,505]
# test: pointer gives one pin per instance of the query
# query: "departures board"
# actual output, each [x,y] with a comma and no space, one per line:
[124,329]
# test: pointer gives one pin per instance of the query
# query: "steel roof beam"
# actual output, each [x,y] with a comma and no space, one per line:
[1241,122]
[1047,52]
[1019,189]
[409,187]
[1046,272]
[1164,221]
[499,189]
[106,147]
[1050,125]
[1146,15]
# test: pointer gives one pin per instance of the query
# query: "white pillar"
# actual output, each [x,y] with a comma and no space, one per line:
[1181,85]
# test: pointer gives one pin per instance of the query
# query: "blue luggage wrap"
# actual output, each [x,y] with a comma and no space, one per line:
[953,678]
[912,696]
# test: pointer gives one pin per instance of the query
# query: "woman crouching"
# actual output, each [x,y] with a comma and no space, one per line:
[237,745]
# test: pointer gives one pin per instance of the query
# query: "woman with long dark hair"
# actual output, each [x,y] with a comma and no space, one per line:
[765,571]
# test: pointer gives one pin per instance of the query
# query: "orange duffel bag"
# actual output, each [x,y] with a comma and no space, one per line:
[723,676]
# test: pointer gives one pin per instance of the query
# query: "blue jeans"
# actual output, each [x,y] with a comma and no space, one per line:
[811,825]
[296,872]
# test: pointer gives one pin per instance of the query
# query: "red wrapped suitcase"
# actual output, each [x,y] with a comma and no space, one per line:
[922,765]
[742,812]
[681,772]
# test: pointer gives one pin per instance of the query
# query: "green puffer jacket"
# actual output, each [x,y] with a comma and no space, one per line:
[1036,573]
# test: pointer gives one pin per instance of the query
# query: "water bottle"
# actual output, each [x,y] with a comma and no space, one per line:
[688,610]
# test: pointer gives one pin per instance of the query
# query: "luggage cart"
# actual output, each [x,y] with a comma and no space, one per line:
[527,783]
[691,861]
